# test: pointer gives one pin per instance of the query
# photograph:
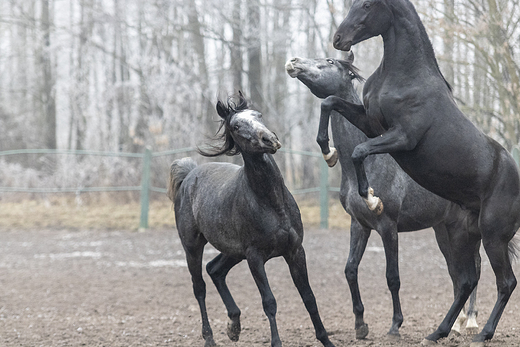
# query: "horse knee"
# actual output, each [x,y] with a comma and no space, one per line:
[359,154]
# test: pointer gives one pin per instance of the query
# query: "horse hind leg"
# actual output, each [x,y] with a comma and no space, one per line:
[390,243]
[194,260]
[469,318]
[462,269]
[358,241]
[498,225]
[218,269]
[471,324]
[506,282]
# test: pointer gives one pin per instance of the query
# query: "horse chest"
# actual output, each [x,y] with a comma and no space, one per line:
[392,102]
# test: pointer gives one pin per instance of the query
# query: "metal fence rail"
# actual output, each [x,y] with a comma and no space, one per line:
[146,187]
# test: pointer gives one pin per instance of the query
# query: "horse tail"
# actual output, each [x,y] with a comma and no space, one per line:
[179,169]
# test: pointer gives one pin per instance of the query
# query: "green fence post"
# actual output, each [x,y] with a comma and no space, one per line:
[515,152]
[324,194]
[145,189]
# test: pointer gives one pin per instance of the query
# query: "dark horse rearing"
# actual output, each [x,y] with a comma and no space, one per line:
[404,199]
[422,128]
[245,212]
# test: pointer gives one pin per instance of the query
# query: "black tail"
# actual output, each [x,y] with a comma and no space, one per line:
[178,171]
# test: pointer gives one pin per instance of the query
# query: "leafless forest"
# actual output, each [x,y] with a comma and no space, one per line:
[122,75]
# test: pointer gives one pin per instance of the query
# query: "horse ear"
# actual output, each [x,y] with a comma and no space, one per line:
[242,101]
[222,110]
[350,57]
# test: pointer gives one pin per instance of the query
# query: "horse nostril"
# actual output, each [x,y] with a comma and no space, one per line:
[337,39]
[266,139]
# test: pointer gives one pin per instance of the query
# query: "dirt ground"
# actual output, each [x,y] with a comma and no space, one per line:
[123,288]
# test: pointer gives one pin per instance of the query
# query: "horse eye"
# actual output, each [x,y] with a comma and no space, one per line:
[236,127]
[366,5]
[330,61]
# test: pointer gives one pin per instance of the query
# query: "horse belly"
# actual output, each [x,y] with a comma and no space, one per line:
[460,182]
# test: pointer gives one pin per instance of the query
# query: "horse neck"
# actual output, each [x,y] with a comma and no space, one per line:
[265,179]
[346,135]
[406,43]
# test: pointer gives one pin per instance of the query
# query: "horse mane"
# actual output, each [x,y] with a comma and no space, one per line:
[423,35]
[234,104]
[353,69]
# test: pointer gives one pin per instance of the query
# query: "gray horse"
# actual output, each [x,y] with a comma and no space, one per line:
[245,212]
[408,206]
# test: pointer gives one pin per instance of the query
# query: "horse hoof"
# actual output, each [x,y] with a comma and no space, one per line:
[393,336]
[374,203]
[233,330]
[471,330]
[210,343]
[332,157]
[362,332]
[427,342]
[454,333]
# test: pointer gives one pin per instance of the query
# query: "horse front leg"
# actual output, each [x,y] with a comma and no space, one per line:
[257,267]
[330,154]
[298,268]
[218,269]
[394,140]
[358,242]
[354,113]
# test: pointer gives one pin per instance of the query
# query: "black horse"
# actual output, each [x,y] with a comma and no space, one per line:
[404,199]
[245,212]
[419,124]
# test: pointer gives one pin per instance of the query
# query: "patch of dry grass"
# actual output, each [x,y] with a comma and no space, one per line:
[65,213]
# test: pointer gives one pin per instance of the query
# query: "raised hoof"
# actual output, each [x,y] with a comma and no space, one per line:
[332,157]
[233,330]
[362,332]
[427,342]
[373,202]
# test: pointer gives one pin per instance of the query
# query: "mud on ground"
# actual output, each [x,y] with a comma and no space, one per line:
[123,288]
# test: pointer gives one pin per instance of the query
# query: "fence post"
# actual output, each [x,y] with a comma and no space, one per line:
[145,189]
[324,194]
[515,152]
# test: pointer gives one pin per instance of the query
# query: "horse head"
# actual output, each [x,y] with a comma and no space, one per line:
[365,19]
[243,129]
[325,76]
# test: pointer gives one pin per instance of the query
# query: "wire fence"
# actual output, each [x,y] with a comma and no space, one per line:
[146,186]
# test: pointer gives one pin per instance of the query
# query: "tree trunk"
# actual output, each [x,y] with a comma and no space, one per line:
[47,90]
[254,52]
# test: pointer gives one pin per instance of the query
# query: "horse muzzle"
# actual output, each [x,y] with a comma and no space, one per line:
[341,44]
